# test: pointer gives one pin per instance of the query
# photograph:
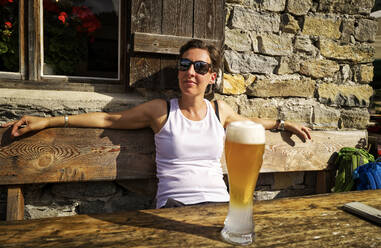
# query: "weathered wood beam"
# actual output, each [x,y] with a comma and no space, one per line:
[162,44]
[15,203]
[88,154]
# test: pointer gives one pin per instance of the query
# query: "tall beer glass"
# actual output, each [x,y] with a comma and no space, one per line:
[244,147]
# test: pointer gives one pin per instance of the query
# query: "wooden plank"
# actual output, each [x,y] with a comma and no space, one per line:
[285,152]
[321,182]
[76,154]
[178,22]
[145,17]
[86,154]
[34,40]
[15,203]
[22,39]
[177,17]
[162,44]
[314,221]
[209,19]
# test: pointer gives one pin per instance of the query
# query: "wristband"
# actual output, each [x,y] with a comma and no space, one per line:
[281,125]
[66,118]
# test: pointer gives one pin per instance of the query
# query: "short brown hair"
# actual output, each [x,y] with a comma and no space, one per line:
[214,53]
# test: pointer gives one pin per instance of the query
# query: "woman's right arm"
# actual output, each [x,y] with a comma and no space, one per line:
[150,114]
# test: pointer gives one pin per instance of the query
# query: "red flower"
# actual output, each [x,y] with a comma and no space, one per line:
[90,22]
[62,17]
[8,25]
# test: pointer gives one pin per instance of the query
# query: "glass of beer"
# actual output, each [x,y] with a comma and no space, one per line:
[244,148]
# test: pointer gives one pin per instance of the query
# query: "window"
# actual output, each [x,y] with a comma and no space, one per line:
[9,37]
[100,45]
[62,41]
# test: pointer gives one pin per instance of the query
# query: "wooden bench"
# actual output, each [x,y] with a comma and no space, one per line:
[58,155]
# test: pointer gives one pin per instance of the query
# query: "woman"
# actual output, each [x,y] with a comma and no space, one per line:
[189,131]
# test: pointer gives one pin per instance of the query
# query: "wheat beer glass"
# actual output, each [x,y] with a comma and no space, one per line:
[244,147]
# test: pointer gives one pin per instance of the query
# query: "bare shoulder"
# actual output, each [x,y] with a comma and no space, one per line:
[157,109]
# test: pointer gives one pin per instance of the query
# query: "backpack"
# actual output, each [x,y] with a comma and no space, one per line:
[348,159]
[368,176]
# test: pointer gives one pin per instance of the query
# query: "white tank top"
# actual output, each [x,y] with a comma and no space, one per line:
[188,157]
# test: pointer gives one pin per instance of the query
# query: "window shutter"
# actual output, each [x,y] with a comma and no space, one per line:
[159,28]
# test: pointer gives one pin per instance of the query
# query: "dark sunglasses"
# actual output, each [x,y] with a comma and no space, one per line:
[201,67]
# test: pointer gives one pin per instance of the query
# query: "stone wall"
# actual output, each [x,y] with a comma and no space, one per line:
[308,61]
[305,61]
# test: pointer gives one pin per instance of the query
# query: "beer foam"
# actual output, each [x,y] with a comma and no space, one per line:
[245,132]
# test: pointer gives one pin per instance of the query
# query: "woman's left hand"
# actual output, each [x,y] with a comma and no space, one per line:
[301,131]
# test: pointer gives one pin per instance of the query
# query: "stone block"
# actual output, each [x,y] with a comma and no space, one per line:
[346,73]
[347,30]
[345,95]
[284,180]
[296,110]
[359,53]
[234,101]
[325,117]
[350,7]
[289,24]
[363,73]
[263,195]
[52,210]
[319,68]
[298,7]
[249,62]
[278,87]
[233,84]
[355,118]
[304,44]
[249,20]
[288,65]
[274,5]
[237,40]
[262,108]
[254,41]
[271,44]
[366,30]
[322,26]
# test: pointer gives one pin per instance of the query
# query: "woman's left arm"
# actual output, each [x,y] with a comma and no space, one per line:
[301,131]
[227,115]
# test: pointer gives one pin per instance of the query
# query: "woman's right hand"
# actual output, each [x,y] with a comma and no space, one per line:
[27,124]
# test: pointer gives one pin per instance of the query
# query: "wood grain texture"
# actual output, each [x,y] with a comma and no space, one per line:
[163,44]
[314,221]
[15,203]
[76,154]
[146,16]
[286,152]
[86,154]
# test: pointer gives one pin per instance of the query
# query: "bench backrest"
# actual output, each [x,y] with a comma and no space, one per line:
[87,154]
[76,154]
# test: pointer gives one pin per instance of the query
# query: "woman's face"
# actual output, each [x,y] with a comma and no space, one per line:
[191,82]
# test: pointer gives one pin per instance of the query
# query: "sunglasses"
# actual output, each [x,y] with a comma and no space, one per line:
[201,67]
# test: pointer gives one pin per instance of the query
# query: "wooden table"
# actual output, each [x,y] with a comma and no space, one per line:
[314,221]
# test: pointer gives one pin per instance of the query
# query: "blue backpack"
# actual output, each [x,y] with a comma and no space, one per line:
[368,176]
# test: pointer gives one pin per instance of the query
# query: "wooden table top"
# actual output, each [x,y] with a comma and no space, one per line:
[313,221]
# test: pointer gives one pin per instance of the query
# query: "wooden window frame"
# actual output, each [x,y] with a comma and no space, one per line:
[31,57]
